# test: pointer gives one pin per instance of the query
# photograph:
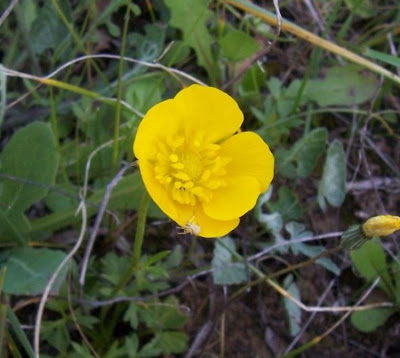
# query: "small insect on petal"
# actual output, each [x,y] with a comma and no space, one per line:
[190,228]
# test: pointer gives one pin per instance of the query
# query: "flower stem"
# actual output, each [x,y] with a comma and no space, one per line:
[137,245]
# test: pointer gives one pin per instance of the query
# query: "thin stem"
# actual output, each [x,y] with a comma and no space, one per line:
[119,91]
[137,245]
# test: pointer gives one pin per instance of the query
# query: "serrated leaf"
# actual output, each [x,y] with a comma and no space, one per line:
[29,270]
[298,231]
[225,270]
[172,342]
[164,315]
[271,222]
[131,315]
[305,152]
[238,46]
[332,186]
[191,17]
[369,320]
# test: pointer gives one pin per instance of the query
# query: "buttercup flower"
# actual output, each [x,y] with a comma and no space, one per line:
[381,225]
[194,166]
[357,235]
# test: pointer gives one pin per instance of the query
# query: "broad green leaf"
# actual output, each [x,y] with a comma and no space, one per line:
[29,11]
[369,320]
[237,45]
[293,311]
[32,156]
[225,270]
[304,153]
[191,17]
[332,186]
[29,270]
[342,86]
[10,231]
[370,262]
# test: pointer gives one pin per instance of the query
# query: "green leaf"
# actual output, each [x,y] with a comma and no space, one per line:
[126,195]
[238,46]
[305,153]
[384,57]
[369,320]
[342,86]
[9,231]
[271,222]
[225,271]
[131,315]
[172,342]
[145,93]
[298,231]
[191,17]
[32,156]
[164,315]
[362,8]
[167,342]
[48,31]
[29,270]
[287,205]
[370,262]
[333,182]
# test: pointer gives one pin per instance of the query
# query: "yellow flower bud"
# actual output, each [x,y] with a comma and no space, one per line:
[381,225]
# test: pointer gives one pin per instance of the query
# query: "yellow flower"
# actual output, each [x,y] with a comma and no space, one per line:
[194,166]
[381,225]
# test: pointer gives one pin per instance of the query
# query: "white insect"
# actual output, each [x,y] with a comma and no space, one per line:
[189,228]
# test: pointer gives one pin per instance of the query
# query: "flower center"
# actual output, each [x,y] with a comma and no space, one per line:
[190,169]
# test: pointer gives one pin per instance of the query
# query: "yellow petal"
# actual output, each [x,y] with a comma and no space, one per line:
[209,110]
[160,122]
[210,228]
[234,200]
[250,157]
[157,191]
